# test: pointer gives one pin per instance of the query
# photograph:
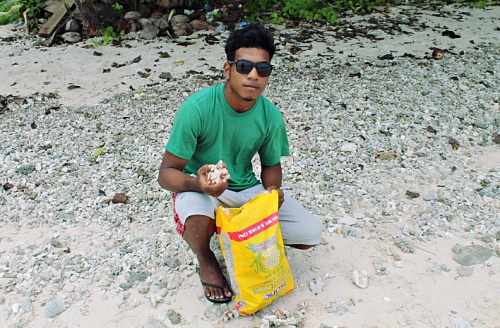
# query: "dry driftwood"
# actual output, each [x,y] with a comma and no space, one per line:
[59,9]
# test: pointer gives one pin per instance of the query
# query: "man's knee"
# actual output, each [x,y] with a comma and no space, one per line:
[200,223]
[314,231]
[307,232]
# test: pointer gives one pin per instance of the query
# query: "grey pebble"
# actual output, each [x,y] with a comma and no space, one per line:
[465,271]
[26,169]
[216,310]
[459,322]
[472,254]
[154,323]
[174,317]
[138,276]
[490,191]
[444,268]
[379,265]
[165,76]
[430,197]
[171,262]
[339,307]
[397,257]
[404,244]
[27,305]
[54,308]
[399,264]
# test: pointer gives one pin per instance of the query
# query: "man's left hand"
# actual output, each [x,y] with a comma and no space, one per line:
[281,195]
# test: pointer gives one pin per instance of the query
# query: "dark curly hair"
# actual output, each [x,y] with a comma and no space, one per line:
[250,36]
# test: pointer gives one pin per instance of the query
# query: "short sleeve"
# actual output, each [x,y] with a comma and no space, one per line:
[183,137]
[276,143]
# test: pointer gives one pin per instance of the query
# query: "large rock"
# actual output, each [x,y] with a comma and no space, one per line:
[132,15]
[199,25]
[161,23]
[150,32]
[144,22]
[156,14]
[73,25]
[170,3]
[71,37]
[179,19]
[182,29]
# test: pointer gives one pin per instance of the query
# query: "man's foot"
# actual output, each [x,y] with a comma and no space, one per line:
[225,299]
[215,286]
[198,231]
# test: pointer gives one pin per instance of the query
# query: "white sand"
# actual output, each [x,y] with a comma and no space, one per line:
[27,69]
[417,295]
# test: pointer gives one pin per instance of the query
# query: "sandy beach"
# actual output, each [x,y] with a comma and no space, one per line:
[64,243]
[29,69]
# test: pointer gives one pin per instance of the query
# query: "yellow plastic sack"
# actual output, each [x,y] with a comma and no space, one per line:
[252,246]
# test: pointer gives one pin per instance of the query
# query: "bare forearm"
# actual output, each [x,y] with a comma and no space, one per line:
[177,181]
[271,176]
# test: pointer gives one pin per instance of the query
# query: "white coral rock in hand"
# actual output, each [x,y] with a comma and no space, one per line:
[218,172]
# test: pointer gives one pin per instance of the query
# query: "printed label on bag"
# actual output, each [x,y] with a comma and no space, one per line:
[275,292]
[255,228]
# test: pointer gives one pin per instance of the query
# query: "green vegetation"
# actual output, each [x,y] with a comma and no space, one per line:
[219,14]
[284,9]
[274,11]
[5,6]
[361,5]
[98,152]
[109,35]
[118,8]
[327,10]
[479,3]
[33,10]
[164,54]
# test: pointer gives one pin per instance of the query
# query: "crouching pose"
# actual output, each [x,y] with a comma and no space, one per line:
[231,122]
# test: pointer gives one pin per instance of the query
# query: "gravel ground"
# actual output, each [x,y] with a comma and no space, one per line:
[381,149]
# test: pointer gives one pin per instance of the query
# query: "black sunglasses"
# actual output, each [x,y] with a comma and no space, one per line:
[244,66]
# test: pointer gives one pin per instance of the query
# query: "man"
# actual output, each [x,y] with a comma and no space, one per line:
[231,122]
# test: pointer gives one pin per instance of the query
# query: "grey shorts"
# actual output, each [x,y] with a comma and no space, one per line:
[298,226]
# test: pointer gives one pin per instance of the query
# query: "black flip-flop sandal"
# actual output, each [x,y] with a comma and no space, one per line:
[217,300]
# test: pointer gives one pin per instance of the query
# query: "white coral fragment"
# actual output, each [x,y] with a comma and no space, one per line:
[218,172]
[360,278]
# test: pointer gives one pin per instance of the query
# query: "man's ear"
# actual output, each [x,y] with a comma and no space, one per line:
[227,70]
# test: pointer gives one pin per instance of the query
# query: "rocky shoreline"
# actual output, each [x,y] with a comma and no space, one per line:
[398,157]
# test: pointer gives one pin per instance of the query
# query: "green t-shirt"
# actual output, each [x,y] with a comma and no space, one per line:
[206,130]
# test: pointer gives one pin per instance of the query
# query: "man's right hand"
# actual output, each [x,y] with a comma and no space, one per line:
[214,190]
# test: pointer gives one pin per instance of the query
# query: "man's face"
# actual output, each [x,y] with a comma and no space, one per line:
[242,90]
